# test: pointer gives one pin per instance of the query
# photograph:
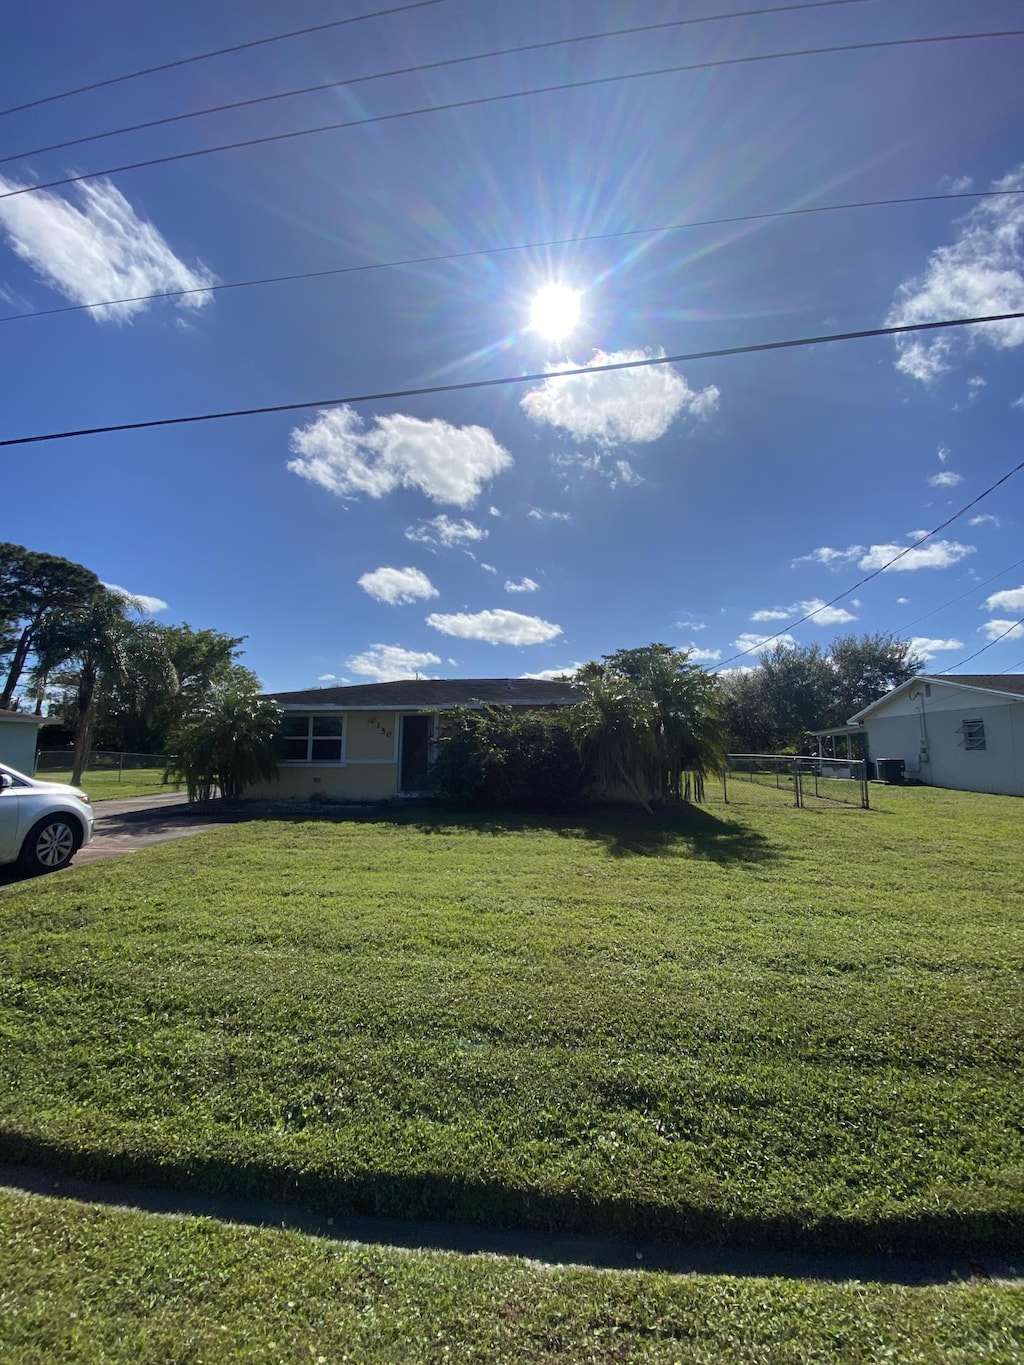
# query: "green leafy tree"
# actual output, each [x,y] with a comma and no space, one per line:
[34,588]
[139,713]
[85,651]
[794,690]
[226,744]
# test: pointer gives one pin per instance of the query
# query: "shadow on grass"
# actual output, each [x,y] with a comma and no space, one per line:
[624,831]
[447,1212]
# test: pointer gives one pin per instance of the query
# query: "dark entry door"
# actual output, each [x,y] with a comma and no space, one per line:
[415,753]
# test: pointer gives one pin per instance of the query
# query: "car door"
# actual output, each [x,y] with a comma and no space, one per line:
[10,802]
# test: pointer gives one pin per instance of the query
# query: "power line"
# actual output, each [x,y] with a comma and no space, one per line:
[468,384]
[476,102]
[1012,669]
[969,593]
[875,572]
[427,66]
[732,220]
[218,52]
[1008,631]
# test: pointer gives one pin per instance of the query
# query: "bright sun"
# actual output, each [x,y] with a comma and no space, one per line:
[554,311]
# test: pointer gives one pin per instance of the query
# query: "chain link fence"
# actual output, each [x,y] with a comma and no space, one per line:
[100,761]
[788,780]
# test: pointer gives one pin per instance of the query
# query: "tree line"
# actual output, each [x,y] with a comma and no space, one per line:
[109,675]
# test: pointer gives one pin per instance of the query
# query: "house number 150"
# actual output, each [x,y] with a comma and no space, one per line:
[375,724]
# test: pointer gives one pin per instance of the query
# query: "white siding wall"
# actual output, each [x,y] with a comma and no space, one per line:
[933,748]
[18,745]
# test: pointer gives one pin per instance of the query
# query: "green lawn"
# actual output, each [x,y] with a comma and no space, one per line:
[83,1283]
[750,1024]
[104,785]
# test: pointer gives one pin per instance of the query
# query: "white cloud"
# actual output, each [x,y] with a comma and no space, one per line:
[946,479]
[620,406]
[903,601]
[493,512]
[1009,630]
[1018,402]
[960,185]
[815,607]
[98,250]
[539,515]
[618,473]
[1010,599]
[150,606]
[691,625]
[526,585]
[447,463]
[397,586]
[937,554]
[749,641]
[831,559]
[390,663]
[488,568]
[703,655]
[498,627]
[554,674]
[981,272]
[984,519]
[943,454]
[926,647]
[975,385]
[442,530]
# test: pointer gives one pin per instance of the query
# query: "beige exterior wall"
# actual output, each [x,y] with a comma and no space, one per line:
[333,782]
[371,735]
[368,771]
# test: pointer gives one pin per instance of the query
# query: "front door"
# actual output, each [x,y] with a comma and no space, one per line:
[415,753]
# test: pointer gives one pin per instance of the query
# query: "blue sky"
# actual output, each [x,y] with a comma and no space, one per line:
[521,530]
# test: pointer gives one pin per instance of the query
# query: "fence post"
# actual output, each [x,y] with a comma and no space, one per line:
[796,784]
[120,766]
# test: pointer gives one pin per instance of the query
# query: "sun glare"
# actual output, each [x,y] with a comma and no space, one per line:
[554,311]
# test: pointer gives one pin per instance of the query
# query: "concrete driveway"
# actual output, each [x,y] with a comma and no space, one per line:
[140,822]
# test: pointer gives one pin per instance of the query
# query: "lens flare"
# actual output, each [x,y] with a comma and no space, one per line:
[554,311]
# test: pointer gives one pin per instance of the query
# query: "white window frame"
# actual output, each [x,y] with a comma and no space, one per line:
[309,761]
[973,734]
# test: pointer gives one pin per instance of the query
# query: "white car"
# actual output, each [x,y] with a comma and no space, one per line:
[42,824]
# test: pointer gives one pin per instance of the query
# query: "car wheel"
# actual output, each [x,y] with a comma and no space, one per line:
[51,844]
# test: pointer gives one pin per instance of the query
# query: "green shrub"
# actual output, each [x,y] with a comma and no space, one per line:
[501,758]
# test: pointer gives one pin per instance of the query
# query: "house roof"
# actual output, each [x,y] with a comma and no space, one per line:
[23,717]
[428,694]
[1009,686]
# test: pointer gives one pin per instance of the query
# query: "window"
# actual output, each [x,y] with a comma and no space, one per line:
[973,732]
[310,739]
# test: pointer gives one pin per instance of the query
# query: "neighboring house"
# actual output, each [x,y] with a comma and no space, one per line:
[18,735]
[964,731]
[373,741]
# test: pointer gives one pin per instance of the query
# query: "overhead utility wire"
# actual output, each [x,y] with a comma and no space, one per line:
[875,572]
[468,384]
[425,66]
[953,600]
[218,52]
[589,83]
[1009,630]
[732,220]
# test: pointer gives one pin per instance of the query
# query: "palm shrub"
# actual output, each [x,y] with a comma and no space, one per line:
[226,743]
[649,725]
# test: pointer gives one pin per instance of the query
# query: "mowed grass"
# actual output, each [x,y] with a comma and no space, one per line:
[83,1283]
[104,785]
[748,1025]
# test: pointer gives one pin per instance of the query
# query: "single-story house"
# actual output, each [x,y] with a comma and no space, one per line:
[19,733]
[964,731]
[372,741]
